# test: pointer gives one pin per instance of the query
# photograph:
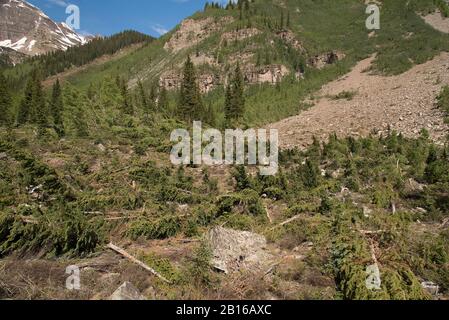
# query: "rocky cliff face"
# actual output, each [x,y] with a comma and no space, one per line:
[172,80]
[10,57]
[321,61]
[271,74]
[26,29]
[218,41]
[191,32]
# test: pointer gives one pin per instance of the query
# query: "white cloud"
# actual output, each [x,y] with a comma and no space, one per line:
[160,29]
[60,3]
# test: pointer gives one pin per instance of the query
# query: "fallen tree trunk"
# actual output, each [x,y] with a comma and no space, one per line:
[134,260]
[290,220]
[368,232]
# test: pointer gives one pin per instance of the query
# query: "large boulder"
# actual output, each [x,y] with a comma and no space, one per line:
[413,187]
[238,251]
[431,288]
[127,292]
[323,60]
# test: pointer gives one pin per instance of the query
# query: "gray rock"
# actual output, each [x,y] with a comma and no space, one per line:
[431,287]
[336,174]
[127,292]
[367,211]
[413,187]
[421,210]
[101,148]
[235,251]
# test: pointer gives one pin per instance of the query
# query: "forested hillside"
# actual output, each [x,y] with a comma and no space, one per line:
[56,62]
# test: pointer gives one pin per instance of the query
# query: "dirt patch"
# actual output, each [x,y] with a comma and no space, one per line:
[437,21]
[100,276]
[404,103]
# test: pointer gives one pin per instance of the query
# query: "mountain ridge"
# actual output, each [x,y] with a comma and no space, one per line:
[28,30]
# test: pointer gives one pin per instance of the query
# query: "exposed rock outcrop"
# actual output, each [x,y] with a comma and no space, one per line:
[239,35]
[412,187]
[289,37]
[191,32]
[202,59]
[321,61]
[235,251]
[207,82]
[271,74]
[172,80]
[127,292]
[431,288]
[10,57]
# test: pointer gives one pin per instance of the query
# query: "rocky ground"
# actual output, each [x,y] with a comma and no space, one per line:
[437,21]
[374,103]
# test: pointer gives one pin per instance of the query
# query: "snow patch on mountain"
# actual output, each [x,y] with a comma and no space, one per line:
[26,29]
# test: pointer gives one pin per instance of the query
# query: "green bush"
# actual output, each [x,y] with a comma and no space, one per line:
[200,270]
[57,234]
[163,228]
[274,193]
[246,201]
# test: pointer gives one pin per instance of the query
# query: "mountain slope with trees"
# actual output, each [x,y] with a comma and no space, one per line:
[86,161]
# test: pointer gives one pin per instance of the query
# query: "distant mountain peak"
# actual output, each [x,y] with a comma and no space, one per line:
[28,30]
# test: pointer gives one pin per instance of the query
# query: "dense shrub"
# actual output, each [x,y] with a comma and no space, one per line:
[162,228]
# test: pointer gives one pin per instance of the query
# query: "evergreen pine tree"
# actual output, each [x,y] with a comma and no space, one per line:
[234,97]
[162,103]
[228,103]
[5,103]
[153,93]
[126,104]
[190,105]
[210,115]
[238,93]
[143,97]
[75,104]
[57,108]
[39,107]
[246,6]
[310,174]
[24,112]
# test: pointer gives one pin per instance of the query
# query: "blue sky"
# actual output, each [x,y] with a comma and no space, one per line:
[107,17]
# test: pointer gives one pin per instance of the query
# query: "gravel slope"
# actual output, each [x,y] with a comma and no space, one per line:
[405,103]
